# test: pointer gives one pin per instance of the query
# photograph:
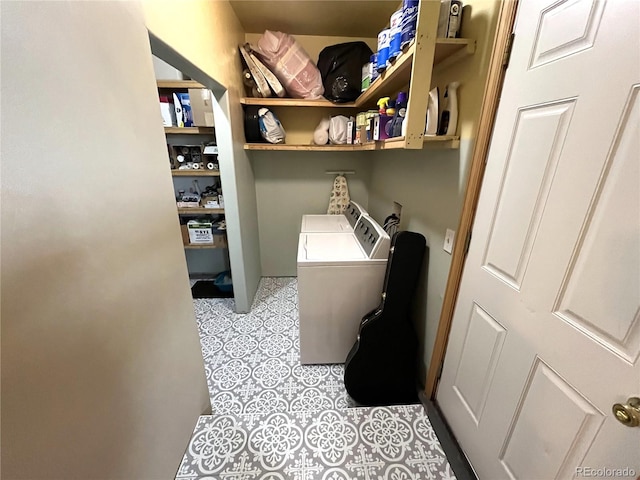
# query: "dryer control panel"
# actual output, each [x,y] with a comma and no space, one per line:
[373,239]
[353,213]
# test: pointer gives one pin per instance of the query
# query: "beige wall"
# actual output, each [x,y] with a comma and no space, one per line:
[207,35]
[102,374]
[430,183]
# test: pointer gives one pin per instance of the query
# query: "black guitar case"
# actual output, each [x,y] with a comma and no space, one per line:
[381,368]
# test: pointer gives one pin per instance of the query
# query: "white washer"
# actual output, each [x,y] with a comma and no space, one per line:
[333,223]
[340,277]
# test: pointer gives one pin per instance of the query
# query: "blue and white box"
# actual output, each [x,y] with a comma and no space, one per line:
[187,114]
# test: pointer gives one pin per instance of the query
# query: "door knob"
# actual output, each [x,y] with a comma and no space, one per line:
[628,413]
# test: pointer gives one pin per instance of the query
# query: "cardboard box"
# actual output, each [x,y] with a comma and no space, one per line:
[201,107]
[200,232]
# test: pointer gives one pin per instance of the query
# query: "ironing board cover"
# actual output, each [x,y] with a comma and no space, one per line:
[339,198]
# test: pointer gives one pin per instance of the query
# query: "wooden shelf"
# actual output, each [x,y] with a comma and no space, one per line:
[189,247]
[189,130]
[389,144]
[195,173]
[294,102]
[451,50]
[179,84]
[394,79]
[442,141]
[283,147]
[199,211]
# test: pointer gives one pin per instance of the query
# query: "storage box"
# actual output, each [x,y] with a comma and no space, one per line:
[201,107]
[200,232]
[186,154]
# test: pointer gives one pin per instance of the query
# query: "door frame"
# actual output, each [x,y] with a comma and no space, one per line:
[491,99]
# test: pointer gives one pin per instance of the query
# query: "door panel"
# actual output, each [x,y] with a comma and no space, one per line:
[566,28]
[545,336]
[482,347]
[599,293]
[549,403]
[533,155]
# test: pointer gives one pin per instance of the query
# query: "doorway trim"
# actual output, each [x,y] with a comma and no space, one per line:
[491,99]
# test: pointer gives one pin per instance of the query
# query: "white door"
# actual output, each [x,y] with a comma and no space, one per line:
[546,331]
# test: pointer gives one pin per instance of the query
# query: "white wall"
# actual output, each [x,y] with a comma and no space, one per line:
[291,184]
[102,374]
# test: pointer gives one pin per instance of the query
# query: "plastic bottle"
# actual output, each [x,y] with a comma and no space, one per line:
[432,113]
[449,119]
[401,112]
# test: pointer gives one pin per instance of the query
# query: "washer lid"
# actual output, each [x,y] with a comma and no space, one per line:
[325,223]
[320,248]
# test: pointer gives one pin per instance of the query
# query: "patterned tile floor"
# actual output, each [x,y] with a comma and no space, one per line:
[273,418]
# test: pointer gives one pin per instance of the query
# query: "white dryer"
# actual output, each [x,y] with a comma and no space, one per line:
[333,223]
[340,277]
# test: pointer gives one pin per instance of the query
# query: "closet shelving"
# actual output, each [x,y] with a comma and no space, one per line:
[189,130]
[195,173]
[206,134]
[443,141]
[411,72]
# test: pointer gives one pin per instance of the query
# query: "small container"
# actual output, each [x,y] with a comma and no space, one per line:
[374,67]
[384,37]
[366,77]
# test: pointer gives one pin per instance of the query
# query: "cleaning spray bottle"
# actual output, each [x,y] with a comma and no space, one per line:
[449,120]
[381,120]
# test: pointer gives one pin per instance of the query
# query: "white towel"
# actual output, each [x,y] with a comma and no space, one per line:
[339,198]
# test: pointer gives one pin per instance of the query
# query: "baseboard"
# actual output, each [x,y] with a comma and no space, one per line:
[456,457]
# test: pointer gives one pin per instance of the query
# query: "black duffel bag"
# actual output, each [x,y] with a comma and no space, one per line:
[341,69]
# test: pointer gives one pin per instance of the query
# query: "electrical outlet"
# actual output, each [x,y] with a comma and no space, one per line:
[448,240]
[397,209]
